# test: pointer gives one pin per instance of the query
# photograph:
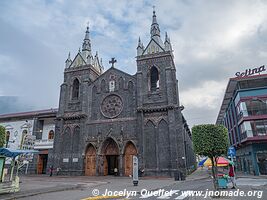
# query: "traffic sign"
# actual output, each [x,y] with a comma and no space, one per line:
[231,152]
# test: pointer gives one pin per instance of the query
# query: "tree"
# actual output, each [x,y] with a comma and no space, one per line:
[2,136]
[212,141]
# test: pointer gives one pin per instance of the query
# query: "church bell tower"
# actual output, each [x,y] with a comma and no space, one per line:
[158,107]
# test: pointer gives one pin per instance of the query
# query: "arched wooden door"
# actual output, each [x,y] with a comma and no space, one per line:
[110,152]
[90,161]
[130,151]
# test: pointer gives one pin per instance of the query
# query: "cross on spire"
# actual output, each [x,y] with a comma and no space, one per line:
[112,62]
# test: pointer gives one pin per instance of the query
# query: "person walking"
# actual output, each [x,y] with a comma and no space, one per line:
[232,175]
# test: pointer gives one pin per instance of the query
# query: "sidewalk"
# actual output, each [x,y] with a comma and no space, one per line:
[242,175]
[37,185]
[199,174]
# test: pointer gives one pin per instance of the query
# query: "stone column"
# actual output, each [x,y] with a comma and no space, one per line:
[97,163]
[120,165]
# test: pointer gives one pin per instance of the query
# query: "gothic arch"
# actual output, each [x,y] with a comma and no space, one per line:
[76,139]
[66,128]
[125,144]
[130,150]
[103,85]
[66,141]
[51,134]
[121,83]
[150,145]
[130,86]
[109,159]
[107,143]
[150,121]
[164,145]
[154,78]
[90,160]
[75,89]
[89,145]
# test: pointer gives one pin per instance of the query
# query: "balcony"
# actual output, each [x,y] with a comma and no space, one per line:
[251,114]
[252,136]
[44,144]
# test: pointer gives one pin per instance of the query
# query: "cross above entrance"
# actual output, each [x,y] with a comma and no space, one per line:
[112,62]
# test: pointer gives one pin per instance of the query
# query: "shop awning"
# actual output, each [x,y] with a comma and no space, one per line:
[14,152]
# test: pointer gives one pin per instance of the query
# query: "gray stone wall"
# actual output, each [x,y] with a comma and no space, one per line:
[120,106]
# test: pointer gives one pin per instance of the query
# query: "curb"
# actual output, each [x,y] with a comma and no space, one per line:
[48,190]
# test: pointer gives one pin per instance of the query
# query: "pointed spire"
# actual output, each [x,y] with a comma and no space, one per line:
[86,42]
[139,43]
[87,33]
[166,37]
[68,61]
[101,65]
[168,46]
[154,31]
[140,47]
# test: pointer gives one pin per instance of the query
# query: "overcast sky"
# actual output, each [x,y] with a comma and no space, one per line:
[212,40]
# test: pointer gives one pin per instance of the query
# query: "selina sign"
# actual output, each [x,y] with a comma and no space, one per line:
[249,72]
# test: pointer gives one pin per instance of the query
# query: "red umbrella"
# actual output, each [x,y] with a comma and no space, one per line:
[221,162]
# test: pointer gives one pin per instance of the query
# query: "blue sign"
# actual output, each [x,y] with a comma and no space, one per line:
[231,152]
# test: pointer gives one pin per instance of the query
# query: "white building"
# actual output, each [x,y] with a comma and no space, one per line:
[38,125]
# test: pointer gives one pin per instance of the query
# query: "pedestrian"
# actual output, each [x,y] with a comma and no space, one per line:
[232,175]
[51,170]
[115,171]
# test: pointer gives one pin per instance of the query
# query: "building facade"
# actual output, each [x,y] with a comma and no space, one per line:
[39,126]
[105,118]
[244,113]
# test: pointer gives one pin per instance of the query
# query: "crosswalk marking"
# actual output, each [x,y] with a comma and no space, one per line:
[172,192]
[184,195]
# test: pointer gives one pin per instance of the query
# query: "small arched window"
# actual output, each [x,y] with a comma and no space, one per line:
[7,138]
[103,85]
[121,83]
[154,79]
[75,89]
[51,135]
[130,86]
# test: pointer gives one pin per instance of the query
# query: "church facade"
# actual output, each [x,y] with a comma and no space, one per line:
[105,118]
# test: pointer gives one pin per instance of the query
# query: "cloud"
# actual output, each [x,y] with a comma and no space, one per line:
[211,41]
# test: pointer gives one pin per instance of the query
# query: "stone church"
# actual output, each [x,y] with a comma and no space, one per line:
[107,117]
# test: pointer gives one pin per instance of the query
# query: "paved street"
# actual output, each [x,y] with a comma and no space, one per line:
[77,188]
